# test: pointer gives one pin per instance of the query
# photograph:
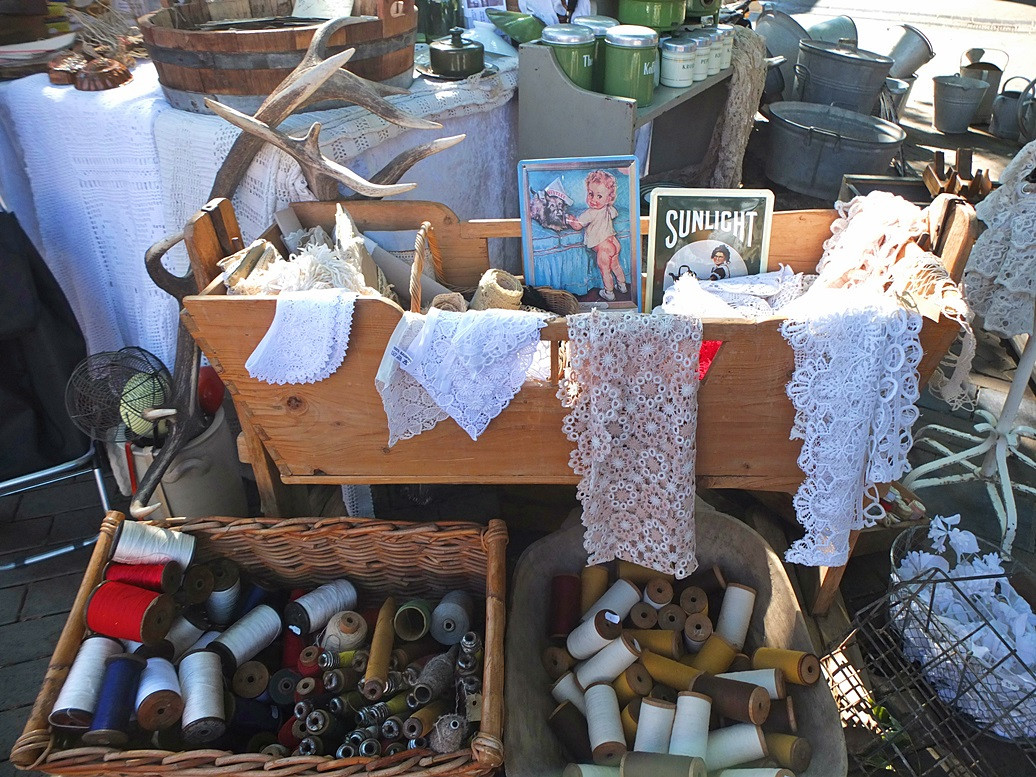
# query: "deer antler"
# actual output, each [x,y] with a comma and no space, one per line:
[395,169]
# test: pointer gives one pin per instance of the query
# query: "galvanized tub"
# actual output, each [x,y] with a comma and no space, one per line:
[956,101]
[839,74]
[813,146]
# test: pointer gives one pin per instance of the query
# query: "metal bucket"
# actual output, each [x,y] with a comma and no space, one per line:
[782,35]
[899,88]
[911,51]
[834,30]
[839,74]
[813,146]
[956,100]
[973,64]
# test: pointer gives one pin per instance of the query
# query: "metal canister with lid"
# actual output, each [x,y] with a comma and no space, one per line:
[702,54]
[573,46]
[715,49]
[456,57]
[600,25]
[630,62]
[678,59]
[727,31]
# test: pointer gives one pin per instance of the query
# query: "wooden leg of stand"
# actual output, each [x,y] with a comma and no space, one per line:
[830,579]
[274,497]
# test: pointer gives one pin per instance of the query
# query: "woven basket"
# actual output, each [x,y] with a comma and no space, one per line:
[379,557]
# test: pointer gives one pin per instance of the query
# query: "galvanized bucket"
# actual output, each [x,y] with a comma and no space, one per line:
[782,35]
[973,64]
[834,30]
[839,74]
[899,88]
[911,51]
[956,100]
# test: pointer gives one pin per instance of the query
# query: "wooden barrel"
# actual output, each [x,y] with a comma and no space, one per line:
[241,67]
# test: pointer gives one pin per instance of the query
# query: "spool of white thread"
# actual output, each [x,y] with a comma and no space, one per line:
[74,708]
[735,614]
[451,618]
[182,635]
[603,724]
[609,662]
[567,688]
[312,611]
[203,642]
[159,702]
[591,636]
[734,745]
[658,592]
[654,726]
[770,679]
[201,680]
[590,770]
[221,604]
[347,630]
[141,543]
[691,725]
[757,771]
[620,599]
[131,646]
[256,630]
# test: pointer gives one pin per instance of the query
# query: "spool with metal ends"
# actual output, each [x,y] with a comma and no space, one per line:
[307,686]
[250,679]
[198,582]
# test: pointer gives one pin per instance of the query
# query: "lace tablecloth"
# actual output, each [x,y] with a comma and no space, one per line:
[97,177]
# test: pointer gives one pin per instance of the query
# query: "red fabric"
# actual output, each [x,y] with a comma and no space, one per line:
[708,352]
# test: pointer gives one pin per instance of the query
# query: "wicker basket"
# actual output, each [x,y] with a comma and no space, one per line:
[380,557]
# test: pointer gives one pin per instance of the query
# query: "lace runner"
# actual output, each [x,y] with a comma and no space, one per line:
[308,338]
[632,387]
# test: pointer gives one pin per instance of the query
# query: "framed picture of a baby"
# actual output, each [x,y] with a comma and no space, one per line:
[581,228]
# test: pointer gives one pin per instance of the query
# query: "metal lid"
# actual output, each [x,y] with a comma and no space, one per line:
[567,34]
[455,42]
[703,36]
[684,44]
[632,36]
[599,24]
[844,50]
[726,29]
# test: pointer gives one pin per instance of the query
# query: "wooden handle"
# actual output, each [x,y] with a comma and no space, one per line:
[35,742]
[417,268]
[211,234]
[488,746]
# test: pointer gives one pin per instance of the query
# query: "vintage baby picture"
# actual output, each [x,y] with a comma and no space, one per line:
[581,228]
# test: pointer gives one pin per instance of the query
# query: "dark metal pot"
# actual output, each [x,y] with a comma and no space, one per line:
[456,57]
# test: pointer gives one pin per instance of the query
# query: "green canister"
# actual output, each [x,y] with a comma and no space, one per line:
[600,25]
[573,46]
[631,62]
[657,14]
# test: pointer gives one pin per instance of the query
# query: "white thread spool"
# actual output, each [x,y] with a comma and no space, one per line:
[159,702]
[256,630]
[609,662]
[312,611]
[590,770]
[691,725]
[347,630]
[74,708]
[592,635]
[568,689]
[221,604]
[620,599]
[131,646]
[658,592]
[607,741]
[141,543]
[734,745]
[451,618]
[181,635]
[203,642]
[201,679]
[770,679]
[757,771]
[654,726]
[735,614]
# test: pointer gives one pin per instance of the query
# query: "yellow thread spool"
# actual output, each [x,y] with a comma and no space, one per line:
[789,751]
[799,667]
[557,661]
[715,655]
[664,643]
[632,684]
[376,676]
[669,672]
[594,583]
[629,722]
[638,574]
[425,717]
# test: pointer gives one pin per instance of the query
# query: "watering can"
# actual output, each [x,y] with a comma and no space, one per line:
[975,63]
[1026,116]
[1005,111]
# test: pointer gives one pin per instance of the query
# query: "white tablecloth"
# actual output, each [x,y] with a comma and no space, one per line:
[97,177]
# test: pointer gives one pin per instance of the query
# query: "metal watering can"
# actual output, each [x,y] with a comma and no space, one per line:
[1005,111]
[1026,115]
[977,63]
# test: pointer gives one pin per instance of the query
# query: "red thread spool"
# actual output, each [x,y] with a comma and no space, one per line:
[565,599]
[286,736]
[308,665]
[127,612]
[155,577]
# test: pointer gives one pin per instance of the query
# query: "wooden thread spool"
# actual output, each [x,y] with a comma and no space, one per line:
[603,725]
[756,771]
[638,574]
[694,599]
[376,676]
[226,591]
[569,726]
[308,686]
[789,751]
[661,692]
[282,686]
[632,684]
[798,667]
[592,635]
[312,611]
[181,635]
[412,620]
[142,543]
[691,725]
[643,616]
[735,700]
[309,661]
[735,614]
[660,765]
[734,745]
[565,601]
[159,703]
[770,679]
[671,618]
[712,582]
[568,689]
[668,672]
[715,655]
[590,770]
[654,726]
[127,612]
[620,599]
[198,582]
[628,718]
[609,662]
[696,631]
[593,583]
[422,721]
[664,643]
[165,577]
[557,661]
[741,663]
[254,632]
[250,680]
[204,711]
[658,592]
[75,705]
[782,717]
[115,704]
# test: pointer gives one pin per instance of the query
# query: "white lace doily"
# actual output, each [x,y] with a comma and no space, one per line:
[409,408]
[632,387]
[308,338]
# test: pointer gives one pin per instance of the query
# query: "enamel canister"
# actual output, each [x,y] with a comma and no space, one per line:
[456,56]
[599,25]
[679,56]
[702,54]
[573,46]
[657,14]
[630,62]
[715,51]
[727,53]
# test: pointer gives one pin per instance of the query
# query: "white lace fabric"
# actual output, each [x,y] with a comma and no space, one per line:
[308,338]
[632,388]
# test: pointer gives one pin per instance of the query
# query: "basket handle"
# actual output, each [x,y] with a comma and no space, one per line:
[425,243]
[35,742]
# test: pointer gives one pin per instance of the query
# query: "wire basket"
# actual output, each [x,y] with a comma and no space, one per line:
[929,681]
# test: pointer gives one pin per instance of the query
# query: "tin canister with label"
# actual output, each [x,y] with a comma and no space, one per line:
[715,50]
[630,62]
[727,30]
[702,54]
[600,25]
[679,55]
[573,46]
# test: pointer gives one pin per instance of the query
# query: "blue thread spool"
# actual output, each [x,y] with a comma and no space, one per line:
[255,596]
[115,704]
[251,715]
